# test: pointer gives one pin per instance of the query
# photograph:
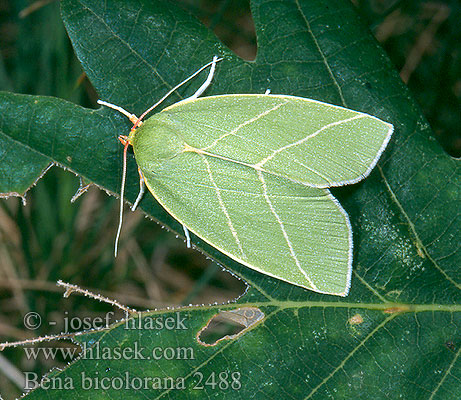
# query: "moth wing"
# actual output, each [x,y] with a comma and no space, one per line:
[311,142]
[278,227]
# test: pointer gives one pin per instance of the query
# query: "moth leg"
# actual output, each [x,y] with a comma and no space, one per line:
[142,188]
[186,233]
[205,84]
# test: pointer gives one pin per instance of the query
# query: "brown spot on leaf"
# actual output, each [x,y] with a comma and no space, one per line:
[356,319]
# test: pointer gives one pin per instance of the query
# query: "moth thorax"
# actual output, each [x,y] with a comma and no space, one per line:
[156,140]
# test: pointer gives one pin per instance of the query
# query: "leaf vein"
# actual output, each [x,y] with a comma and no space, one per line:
[413,230]
[325,61]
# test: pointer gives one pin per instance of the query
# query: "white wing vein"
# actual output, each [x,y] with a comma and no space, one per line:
[282,227]
[236,129]
[223,207]
[305,139]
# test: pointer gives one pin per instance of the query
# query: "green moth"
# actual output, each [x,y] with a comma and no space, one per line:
[249,174]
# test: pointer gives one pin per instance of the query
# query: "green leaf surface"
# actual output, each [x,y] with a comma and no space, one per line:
[398,332]
[20,167]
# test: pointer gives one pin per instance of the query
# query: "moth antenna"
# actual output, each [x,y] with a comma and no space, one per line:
[205,84]
[122,195]
[133,118]
[213,63]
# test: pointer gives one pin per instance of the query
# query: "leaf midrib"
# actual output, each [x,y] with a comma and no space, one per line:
[324,59]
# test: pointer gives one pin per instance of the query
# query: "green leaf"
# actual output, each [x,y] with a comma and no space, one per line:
[398,330]
[20,167]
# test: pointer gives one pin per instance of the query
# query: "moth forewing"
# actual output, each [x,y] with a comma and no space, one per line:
[315,143]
